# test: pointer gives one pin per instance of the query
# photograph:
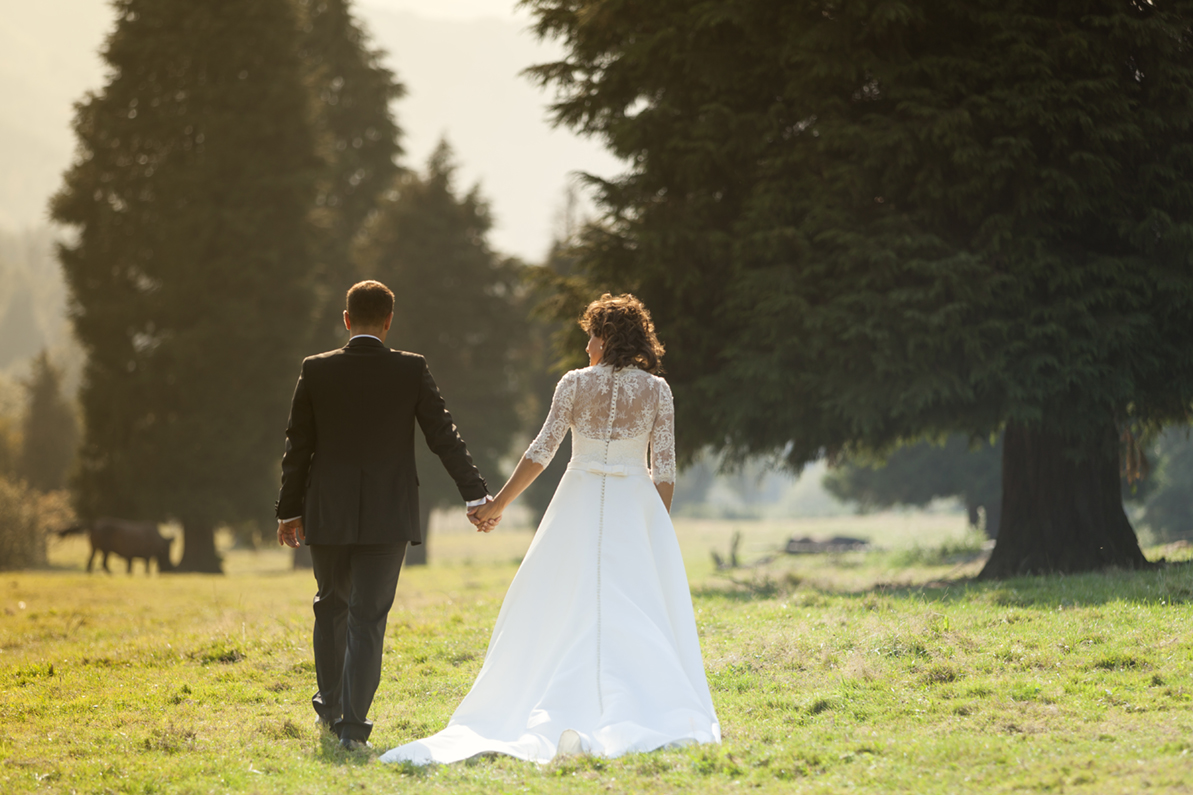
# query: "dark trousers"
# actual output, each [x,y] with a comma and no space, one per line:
[356,590]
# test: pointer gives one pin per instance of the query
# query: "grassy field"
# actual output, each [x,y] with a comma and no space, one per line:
[880,671]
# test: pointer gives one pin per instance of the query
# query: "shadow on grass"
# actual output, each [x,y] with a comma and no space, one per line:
[331,752]
[483,759]
[1169,583]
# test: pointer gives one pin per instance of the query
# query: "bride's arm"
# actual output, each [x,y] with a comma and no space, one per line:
[662,445]
[524,475]
[538,455]
[666,491]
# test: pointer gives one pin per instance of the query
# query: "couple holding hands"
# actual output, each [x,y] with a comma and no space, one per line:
[595,648]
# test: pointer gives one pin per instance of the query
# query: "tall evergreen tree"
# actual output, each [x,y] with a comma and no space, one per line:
[359,140]
[50,433]
[456,303]
[191,274]
[870,221]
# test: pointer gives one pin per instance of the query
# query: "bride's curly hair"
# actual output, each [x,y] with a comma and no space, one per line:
[623,323]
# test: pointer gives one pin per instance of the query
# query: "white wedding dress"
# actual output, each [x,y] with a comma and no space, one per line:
[596,634]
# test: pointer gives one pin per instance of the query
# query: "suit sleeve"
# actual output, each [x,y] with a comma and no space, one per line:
[300,451]
[444,440]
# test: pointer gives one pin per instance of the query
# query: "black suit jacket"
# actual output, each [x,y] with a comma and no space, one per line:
[349,464]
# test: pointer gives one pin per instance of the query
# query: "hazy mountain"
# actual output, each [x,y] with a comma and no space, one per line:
[462,78]
[33,309]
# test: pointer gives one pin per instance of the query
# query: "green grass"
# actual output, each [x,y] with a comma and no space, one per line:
[886,671]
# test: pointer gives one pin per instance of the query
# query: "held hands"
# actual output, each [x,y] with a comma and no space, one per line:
[290,533]
[485,517]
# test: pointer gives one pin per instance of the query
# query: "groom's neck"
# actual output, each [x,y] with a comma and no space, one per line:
[379,333]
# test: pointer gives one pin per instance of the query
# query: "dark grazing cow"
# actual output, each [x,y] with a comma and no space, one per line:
[128,539]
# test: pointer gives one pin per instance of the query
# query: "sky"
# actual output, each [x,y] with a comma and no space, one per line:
[459,60]
[458,9]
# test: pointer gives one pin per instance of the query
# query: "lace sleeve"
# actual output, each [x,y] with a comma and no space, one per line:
[662,438]
[559,419]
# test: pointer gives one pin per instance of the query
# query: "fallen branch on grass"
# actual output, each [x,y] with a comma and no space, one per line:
[809,546]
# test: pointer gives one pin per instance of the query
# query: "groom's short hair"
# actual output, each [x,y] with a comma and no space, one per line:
[370,303]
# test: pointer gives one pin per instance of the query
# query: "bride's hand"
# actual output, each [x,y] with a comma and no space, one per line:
[487,516]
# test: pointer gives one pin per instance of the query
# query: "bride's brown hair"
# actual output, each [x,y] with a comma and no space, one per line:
[623,324]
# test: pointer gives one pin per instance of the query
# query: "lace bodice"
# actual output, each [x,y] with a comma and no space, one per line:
[643,415]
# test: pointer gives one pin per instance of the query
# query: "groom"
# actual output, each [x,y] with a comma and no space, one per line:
[349,489]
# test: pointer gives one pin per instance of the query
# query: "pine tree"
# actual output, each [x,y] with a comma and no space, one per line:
[50,433]
[865,222]
[358,138]
[457,304]
[191,276]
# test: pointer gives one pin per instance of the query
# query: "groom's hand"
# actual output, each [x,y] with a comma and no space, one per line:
[290,533]
[475,505]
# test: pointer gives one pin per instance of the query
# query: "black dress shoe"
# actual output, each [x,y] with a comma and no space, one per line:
[355,745]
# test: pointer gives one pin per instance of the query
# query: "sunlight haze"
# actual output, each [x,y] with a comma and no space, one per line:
[459,60]
[458,9]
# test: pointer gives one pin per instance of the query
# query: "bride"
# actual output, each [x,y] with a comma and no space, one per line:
[595,647]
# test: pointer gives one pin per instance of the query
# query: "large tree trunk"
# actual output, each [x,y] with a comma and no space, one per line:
[417,555]
[198,549]
[1060,514]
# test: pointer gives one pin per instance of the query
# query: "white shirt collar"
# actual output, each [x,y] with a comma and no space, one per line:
[370,336]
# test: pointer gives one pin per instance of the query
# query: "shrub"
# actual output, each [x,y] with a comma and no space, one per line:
[10,446]
[26,516]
